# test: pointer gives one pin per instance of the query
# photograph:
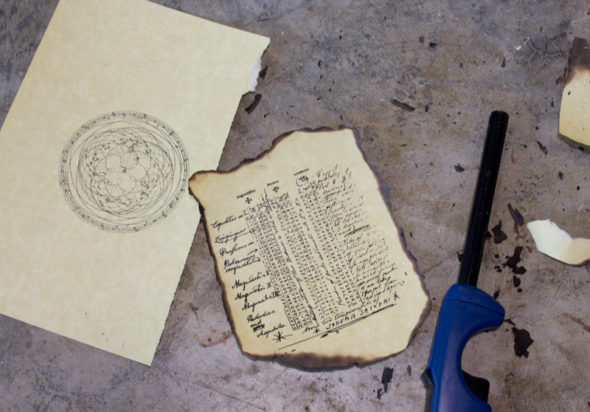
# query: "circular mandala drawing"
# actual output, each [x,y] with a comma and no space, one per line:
[123,171]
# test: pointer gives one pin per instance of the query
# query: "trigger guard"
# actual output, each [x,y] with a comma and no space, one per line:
[465,311]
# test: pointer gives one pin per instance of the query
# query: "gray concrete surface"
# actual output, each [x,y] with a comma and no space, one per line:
[334,63]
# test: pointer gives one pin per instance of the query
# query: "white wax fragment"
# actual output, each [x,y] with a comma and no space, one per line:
[558,244]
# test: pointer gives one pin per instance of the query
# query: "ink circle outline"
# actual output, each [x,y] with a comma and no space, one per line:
[150,131]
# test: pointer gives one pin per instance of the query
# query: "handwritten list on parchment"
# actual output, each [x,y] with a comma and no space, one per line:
[312,266]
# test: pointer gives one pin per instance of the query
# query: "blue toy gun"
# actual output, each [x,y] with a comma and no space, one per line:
[467,310]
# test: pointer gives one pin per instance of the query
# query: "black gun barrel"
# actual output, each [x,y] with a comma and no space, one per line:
[484,196]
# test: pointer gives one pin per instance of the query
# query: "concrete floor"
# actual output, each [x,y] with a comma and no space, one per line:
[342,62]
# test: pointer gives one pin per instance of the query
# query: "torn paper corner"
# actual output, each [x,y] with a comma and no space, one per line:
[554,242]
[574,117]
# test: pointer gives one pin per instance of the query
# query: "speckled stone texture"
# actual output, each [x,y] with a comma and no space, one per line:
[418,80]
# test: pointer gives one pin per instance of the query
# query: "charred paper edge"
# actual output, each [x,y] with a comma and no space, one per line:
[579,59]
[578,63]
[307,360]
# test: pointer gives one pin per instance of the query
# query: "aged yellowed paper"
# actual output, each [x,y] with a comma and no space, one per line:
[574,114]
[313,268]
[122,102]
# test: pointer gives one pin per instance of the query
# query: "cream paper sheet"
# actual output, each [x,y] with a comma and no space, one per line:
[122,102]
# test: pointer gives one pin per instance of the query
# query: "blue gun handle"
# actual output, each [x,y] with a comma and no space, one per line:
[465,311]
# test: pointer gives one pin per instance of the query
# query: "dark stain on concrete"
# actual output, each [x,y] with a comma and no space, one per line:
[522,341]
[252,106]
[513,261]
[516,215]
[216,340]
[516,281]
[542,147]
[385,381]
[194,309]
[498,235]
[402,105]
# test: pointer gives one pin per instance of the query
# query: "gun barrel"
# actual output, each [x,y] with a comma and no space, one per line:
[484,196]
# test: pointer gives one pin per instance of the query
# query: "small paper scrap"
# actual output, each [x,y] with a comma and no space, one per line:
[551,240]
[574,117]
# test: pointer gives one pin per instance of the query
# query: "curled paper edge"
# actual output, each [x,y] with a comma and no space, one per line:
[255,72]
[554,242]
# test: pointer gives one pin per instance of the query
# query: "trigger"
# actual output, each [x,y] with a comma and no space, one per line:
[479,386]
